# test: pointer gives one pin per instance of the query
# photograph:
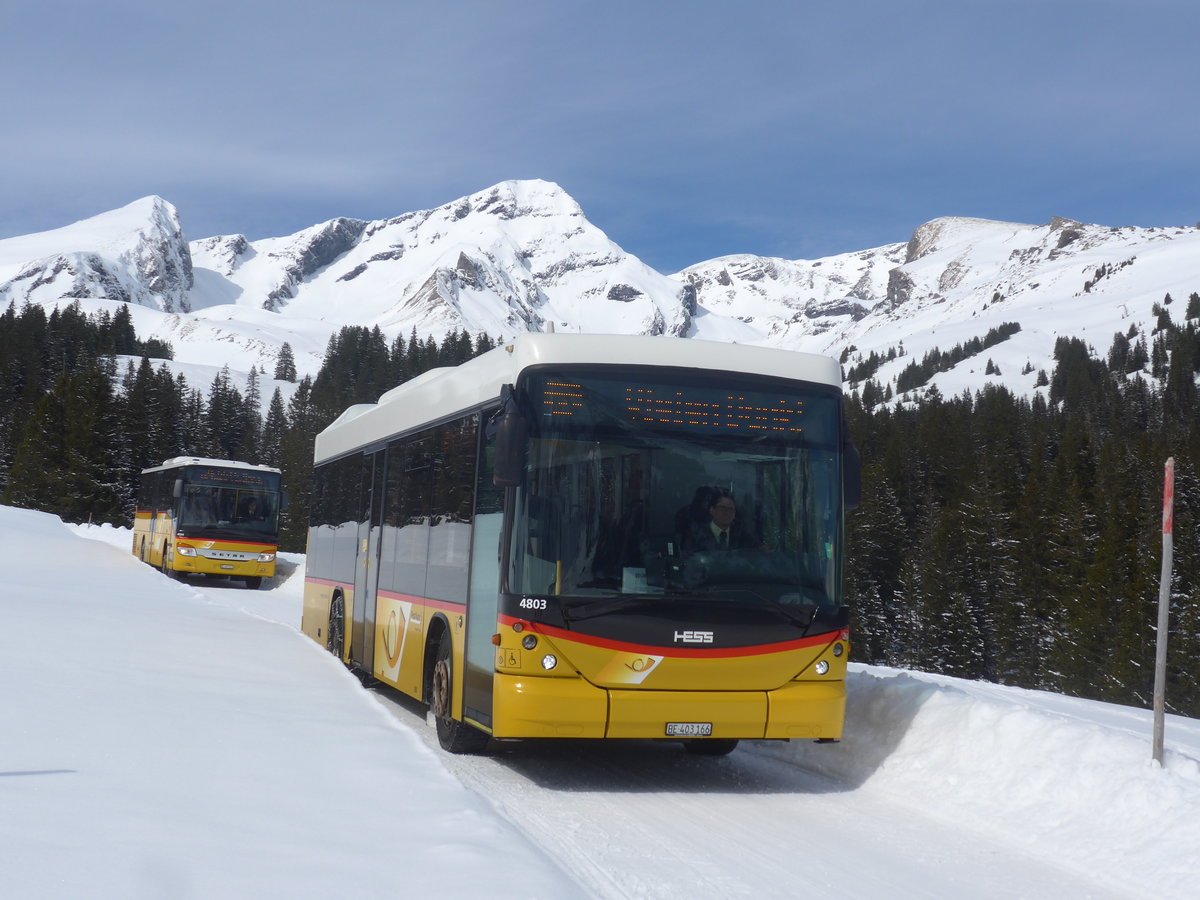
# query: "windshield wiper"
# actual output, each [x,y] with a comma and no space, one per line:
[596,608]
[803,620]
[604,607]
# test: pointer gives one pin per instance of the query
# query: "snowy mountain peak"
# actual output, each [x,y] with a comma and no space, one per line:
[948,232]
[514,199]
[135,254]
[504,260]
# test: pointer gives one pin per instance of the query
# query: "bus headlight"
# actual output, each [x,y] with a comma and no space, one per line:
[266,557]
[186,551]
[822,667]
[549,661]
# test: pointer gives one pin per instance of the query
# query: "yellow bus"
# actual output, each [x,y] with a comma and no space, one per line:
[529,542]
[209,516]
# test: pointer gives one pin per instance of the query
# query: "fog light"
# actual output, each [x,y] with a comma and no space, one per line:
[838,649]
[529,641]
[822,667]
[549,661]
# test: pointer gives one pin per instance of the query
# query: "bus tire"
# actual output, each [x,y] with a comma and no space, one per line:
[710,746]
[335,634]
[166,566]
[453,735]
[254,582]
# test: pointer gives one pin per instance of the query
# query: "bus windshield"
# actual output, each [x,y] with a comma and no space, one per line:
[229,504]
[685,485]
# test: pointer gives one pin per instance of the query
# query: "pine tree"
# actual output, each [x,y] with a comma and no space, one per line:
[165,439]
[356,369]
[1179,390]
[137,415]
[1027,641]
[397,361]
[1193,307]
[876,539]
[195,437]
[274,430]
[1159,358]
[285,364]
[122,337]
[96,485]
[224,417]
[305,420]
[67,462]
[39,457]
[249,446]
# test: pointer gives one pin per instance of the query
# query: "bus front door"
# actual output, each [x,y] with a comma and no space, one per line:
[366,570]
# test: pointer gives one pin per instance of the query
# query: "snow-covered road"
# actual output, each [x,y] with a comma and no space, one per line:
[646,820]
[941,789]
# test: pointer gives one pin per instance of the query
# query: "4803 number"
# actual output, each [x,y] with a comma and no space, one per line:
[533,603]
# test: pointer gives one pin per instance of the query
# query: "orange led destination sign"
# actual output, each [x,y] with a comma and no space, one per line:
[232,477]
[680,407]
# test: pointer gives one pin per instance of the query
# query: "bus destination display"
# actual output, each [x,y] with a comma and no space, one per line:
[672,406]
[229,477]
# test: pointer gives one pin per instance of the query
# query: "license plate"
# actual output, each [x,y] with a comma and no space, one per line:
[689,729]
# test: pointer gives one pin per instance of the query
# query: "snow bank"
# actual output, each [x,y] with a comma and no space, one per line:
[1068,779]
[158,745]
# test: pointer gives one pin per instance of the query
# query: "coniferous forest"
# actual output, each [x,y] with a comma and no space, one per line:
[76,429]
[1002,538]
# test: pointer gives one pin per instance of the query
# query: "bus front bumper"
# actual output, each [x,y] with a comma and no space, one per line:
[235,568]
[531,707]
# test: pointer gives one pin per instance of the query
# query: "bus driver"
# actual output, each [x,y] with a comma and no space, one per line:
[721,531]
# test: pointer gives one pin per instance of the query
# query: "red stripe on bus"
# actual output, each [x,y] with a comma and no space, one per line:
[447,605]
[310,580]
[682,652]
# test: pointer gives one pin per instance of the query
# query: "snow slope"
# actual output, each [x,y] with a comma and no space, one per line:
[220,753]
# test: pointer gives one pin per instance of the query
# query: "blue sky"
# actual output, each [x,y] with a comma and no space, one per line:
[686,130]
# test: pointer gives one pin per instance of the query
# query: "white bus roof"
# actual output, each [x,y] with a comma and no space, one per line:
[441,393]
[177,461]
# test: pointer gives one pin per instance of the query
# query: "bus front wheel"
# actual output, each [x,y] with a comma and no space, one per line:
[254,582]
[166,565]
[453,735]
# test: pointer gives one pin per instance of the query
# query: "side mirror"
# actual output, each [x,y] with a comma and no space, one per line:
[512,442]
[178,490]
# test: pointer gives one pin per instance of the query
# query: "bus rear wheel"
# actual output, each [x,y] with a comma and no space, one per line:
[453,735]
[335,633]
[710,746]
